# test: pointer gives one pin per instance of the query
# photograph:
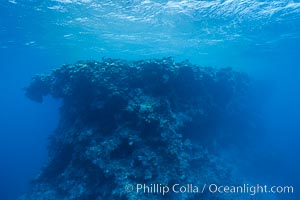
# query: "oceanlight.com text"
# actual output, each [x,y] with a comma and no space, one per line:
[249,189]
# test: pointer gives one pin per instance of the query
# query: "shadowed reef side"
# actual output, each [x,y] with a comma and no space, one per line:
[147,121]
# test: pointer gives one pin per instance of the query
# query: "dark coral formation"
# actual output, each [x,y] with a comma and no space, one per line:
[148,121]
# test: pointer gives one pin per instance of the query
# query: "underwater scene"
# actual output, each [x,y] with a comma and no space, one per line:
[149,99]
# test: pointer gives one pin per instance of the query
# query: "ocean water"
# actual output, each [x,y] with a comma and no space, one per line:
[260,38]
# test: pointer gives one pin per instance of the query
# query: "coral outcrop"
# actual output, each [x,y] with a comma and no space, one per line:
[137,122]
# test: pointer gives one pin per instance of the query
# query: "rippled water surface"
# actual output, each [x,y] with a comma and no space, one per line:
[260,37]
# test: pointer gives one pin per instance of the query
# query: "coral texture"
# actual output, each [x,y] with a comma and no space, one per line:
[137,122]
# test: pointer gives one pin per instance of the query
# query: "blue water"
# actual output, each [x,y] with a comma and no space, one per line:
[260,37]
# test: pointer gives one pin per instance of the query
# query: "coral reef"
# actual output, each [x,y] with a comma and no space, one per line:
[137,122]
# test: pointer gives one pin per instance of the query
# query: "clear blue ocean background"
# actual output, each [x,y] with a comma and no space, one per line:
[259,37]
